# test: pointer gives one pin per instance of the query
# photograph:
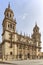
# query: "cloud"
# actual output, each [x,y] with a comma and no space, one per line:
[23,16]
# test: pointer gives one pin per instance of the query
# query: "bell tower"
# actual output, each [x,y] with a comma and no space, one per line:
[9,27]
[36,37]
[9,23]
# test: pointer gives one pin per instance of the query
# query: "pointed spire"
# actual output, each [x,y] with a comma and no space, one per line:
[36,23]
[9,5]
[36,28]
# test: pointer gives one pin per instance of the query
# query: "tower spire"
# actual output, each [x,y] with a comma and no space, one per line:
[9,5]
[36,23]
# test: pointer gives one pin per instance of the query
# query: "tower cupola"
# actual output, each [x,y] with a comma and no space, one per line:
[36,29]
[9,13]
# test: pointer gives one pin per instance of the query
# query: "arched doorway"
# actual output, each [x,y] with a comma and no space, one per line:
[28,55]
[11,55]
[20,56]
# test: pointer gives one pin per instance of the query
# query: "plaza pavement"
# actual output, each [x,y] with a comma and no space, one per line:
[24,62]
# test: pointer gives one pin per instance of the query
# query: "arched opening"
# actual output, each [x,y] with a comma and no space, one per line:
[7,14]
[28,55]
[10,53]
[20,55]
[10,15]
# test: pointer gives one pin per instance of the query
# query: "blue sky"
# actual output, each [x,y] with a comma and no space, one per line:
[26,12]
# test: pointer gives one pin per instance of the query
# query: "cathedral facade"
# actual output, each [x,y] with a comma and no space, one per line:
[17,46]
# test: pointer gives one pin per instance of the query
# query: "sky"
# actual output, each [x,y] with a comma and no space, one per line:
[27,13]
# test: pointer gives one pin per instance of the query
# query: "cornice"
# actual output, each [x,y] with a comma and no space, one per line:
[10,21]
[8,31]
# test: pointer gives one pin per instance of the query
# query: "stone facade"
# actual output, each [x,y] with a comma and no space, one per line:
[41,55]
[17,46]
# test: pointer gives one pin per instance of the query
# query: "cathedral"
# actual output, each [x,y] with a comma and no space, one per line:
[16,46]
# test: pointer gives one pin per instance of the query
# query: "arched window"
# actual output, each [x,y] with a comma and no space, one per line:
[7,14]
[10,15]
[10,53]
[10,25]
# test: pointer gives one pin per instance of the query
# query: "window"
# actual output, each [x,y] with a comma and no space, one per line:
[20,56]
[7,14]
[10,15]
[10,53]
[10,25]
